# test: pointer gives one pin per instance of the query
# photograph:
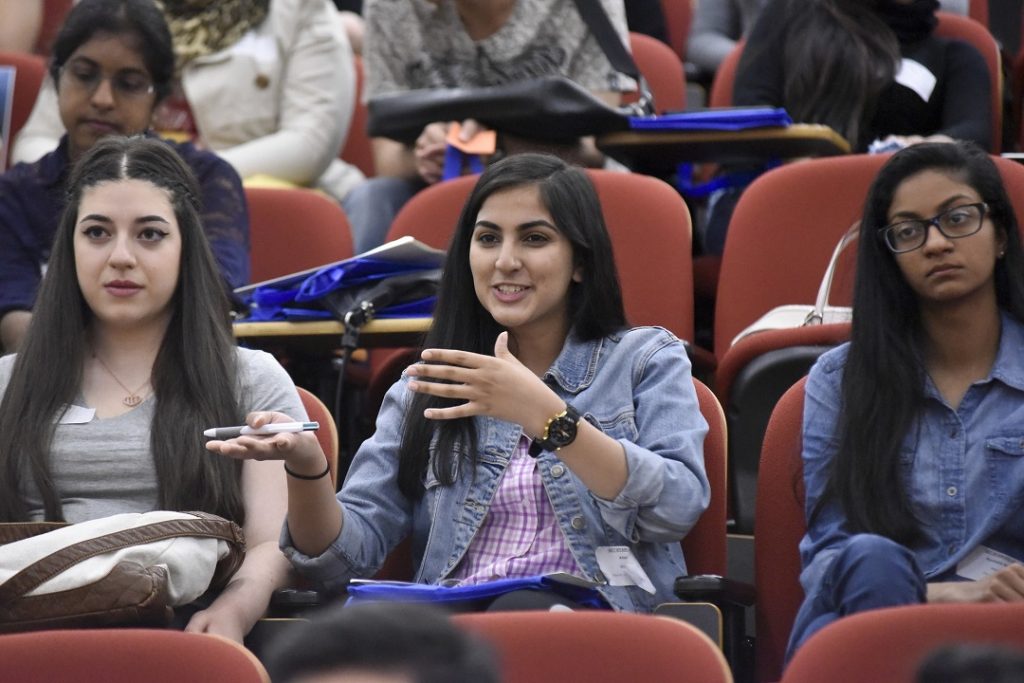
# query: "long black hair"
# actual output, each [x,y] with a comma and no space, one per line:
[195,379]
[839,56]
[883,381]
[462,323]
[138,19]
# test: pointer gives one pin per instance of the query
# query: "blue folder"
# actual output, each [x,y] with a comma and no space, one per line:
[402,591]
[299,296]
[729,119]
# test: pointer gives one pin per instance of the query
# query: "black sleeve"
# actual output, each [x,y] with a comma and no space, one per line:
[350,5]
[645,16]
[759,76]
[967,102]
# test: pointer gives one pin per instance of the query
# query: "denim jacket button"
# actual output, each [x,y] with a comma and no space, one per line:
[951,491]
[578,523]
[557,471]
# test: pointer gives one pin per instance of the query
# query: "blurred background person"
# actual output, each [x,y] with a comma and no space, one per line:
[267,84]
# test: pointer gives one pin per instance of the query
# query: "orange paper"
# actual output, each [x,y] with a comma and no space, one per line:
[484,142]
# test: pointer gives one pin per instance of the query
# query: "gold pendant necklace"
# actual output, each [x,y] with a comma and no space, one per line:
[132,399]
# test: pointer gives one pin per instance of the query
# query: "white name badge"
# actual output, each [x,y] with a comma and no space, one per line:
[917,77]
[620,567]
[77,415]
[982,562]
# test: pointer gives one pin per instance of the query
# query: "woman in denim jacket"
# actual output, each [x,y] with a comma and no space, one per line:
[912,439]
[529,340]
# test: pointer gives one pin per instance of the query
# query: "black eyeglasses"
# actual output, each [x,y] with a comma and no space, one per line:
[124,84]
[954,223]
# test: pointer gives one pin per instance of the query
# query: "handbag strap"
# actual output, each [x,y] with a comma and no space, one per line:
[203,525]
[817,314]
[11,532]
[607,38]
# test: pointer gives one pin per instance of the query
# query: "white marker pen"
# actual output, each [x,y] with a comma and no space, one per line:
[222,433]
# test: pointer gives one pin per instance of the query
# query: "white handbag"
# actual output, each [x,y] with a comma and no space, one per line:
[131,568]
[802,315]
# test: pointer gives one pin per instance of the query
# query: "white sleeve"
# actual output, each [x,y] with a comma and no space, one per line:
[41,132]
[318,100]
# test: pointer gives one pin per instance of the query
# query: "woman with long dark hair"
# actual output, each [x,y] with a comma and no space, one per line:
[868,69]
[539,434]
[112,64]
[128,359]
[872,70]
[912,437]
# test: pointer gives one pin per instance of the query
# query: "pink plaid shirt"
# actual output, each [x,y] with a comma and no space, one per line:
[520,535]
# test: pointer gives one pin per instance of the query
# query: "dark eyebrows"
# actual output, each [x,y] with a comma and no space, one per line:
[910,215]
[540,222]
[92,63]
[141,219]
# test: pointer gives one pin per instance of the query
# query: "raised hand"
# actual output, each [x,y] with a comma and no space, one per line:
[497,386]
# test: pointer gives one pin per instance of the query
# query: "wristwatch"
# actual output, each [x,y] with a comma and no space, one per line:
[559,432]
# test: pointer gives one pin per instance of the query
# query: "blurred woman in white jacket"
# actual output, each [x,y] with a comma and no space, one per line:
[267,84]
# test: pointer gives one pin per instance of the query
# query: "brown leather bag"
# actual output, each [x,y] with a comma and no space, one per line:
[131,593]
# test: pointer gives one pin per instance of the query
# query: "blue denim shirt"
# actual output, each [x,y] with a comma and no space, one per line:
[964,468]
[634,385]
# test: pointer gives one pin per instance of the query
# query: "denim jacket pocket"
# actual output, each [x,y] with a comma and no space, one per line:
[1007,446]
[1004,455]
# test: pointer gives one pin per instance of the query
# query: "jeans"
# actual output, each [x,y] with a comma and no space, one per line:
[372,205]
[869,572]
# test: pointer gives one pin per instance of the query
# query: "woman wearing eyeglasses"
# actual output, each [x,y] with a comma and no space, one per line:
[912,438]
[112,63]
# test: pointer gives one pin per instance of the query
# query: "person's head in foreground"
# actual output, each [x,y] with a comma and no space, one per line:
[380,643]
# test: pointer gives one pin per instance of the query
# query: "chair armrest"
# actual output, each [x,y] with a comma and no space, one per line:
[293,602]
[714,589]
[702,360]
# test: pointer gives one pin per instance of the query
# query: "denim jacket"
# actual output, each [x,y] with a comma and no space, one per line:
[964,468]
[634,385]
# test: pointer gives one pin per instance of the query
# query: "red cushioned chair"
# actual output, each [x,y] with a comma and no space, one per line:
[327,435]
[664,72]
[890,644]
[115,655]
[975,33]
[597,646]
[358,149]
[650,231]
[294,229]
[780,499]
[678,20]
[28,77]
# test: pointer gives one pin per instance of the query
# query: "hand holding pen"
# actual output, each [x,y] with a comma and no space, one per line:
[270,436]
[224,433]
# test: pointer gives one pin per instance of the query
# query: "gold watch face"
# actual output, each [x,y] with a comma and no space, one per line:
[562,431]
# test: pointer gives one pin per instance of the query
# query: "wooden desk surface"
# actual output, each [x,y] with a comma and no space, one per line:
[661,151]
[325,334]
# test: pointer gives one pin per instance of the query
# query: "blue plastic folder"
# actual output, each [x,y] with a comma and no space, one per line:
[728,119]
[567,586]
[299,296]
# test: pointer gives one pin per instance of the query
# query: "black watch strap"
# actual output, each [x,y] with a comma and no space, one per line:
[559,432]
